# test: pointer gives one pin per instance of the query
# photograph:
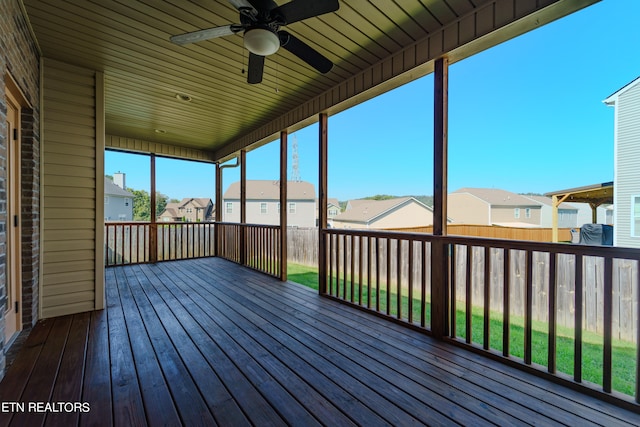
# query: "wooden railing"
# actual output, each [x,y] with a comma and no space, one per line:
[254,246]
[127,243]
[509,299]
[131,242]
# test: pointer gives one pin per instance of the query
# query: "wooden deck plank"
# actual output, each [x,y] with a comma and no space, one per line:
[340,370]
[252,403]
[16,378]
[413,366]
[250,350]
[42,381]
[68,385]
[97,375]
[220,402]
[382,371]
[158,401]
[270,388]
[288,372]
[128,406]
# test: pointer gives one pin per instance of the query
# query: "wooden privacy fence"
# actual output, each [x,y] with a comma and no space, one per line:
[496,232]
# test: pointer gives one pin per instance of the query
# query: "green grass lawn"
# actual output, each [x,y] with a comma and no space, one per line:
[623,358]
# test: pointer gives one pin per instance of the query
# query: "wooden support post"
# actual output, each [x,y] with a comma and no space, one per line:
[218,214]
[554,218]
[440,249]
[153,228]
[283,205]
[243,206]
[323,122]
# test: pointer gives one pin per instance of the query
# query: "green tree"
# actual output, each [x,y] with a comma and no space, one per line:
[142,204]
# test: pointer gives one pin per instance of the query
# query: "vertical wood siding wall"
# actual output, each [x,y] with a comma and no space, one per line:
[627,159]
[69,182]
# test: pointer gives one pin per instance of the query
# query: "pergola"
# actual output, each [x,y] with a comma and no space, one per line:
[595,195]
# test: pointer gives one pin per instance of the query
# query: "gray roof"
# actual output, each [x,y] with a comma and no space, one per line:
[366,210]
[270,190]
[110,189]
[497,197]
[549,202]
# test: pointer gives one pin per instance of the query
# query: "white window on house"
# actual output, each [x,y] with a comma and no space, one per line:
[106,200]
[292,207]
[263,208]
[189,210]
[527,213]
[278,207]
[635,216]
[516,213]
[122,217]
[333,212]
[127,201]
[229,207]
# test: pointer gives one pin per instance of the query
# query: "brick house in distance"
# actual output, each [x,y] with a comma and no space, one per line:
[189,209]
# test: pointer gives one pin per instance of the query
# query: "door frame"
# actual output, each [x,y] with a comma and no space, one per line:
[13,253]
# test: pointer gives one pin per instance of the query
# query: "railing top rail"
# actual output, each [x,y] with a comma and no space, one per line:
[556,248]
[238,224]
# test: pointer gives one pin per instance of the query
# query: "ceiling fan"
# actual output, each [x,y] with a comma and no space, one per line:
[261,21]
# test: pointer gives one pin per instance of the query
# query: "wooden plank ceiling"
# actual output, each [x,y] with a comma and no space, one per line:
[144,71]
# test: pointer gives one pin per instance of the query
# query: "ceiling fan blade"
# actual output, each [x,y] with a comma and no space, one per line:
[244,7]
[305,52]
[297,10]
[207,34]
[255,69]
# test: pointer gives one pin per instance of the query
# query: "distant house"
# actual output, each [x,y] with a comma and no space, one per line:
[384,214]
[263,203]
[333,209]
[189,209]
[567,213]
[626,192]
[118,202]
[490,206]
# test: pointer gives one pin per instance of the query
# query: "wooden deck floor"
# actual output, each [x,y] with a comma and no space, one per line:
[206,342]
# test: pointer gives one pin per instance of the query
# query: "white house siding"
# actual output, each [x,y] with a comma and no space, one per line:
[627,164]
[72,165]
[118,208]
[304,215]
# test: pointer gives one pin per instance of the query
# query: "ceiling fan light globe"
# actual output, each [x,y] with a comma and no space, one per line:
[261,42]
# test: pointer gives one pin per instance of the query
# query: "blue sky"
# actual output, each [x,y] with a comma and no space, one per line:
[524,116]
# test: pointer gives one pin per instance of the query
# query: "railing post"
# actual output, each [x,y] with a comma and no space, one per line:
[153,228]
[440,248]
[243,207]
[322,203]
[218,213]
[283,206]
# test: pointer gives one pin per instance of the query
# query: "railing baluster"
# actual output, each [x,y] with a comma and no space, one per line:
[345,265]
[553,291]
[410,283]
[331,238]
[528,307]
[506,302]
[388,276]
[487,297]
[453,333]
[468,295]
[607,318]
[352,269]
[398,279]
[377,274]
[360,270]
[369,249]
[577,352]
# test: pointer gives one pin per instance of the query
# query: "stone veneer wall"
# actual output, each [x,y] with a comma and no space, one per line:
[19,57]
